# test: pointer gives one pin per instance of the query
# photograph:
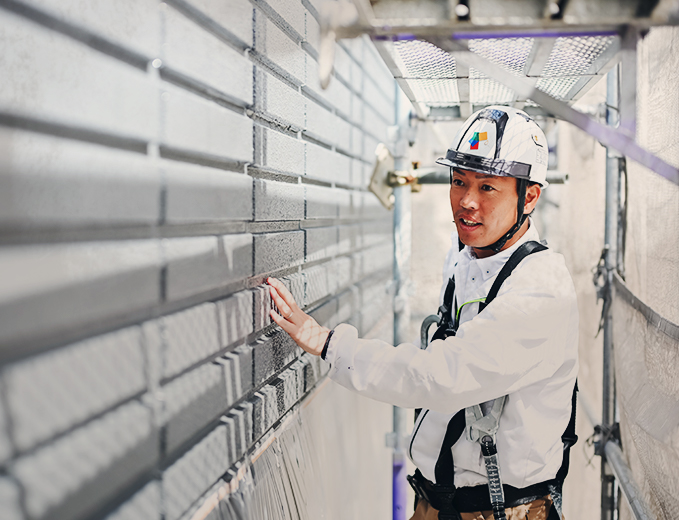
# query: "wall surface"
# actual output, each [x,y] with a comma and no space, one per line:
[157,161]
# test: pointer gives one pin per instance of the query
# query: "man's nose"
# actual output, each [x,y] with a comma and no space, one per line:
[469,200]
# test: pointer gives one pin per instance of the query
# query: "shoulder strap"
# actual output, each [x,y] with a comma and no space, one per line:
[569,437]
[528,248]
[445,327]
[445,468]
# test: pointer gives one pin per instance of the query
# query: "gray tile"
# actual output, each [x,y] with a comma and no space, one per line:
[74,475]
[238,432]
[200,126]
[49,393]
[134,25]
[279,48]
[321,202]
[292,12]
[236,16]
[190,336]
[328,127]
[191,402]
[194,473]
[262,305]
[152,342]
[316,279]
[230,429]
[275,251]
[198,264]
[298,368]
[144,505]
[278,200]
[282,152]
[196,53]
[349,238]
[48,289]
[258,422]
[339,273]
[270,413]
[201,194]
[247,408]
[321,243]
[295,284]
[319,162]
[326,314]
[59,183]
[287,390]
[271,354]
[237,369]
[286,103]
[311,372]
[376,231]
[378,260]
[5,444]
[10,501]
[237,256]
[346,204]
[235,317]
[244,363]
[48,82]
[347,304]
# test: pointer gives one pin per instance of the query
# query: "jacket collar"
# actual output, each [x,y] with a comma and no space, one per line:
[491,265]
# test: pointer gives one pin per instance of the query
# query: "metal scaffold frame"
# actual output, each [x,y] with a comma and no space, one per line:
[454,28]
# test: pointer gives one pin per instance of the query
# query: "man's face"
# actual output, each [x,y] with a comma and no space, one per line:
[484,206]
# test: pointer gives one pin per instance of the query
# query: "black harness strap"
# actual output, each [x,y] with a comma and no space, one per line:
[448,326]
[522,252]
[569,437]
[445,466]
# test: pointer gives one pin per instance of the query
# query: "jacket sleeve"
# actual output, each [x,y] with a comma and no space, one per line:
[520,338]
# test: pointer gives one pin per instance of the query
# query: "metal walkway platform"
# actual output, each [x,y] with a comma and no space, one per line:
[451,57]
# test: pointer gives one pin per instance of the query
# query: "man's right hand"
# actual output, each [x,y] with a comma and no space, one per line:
[301,327]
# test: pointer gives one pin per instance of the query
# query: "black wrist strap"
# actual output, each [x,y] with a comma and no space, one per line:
[324,352]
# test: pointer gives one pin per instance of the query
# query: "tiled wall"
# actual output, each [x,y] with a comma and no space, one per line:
[157,161]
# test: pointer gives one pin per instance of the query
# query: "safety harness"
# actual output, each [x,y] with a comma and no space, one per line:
[443,495]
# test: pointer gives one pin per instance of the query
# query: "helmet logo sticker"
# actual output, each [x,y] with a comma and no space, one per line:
[476,138]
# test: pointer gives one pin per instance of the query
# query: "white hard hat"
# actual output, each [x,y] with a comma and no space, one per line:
[503,141]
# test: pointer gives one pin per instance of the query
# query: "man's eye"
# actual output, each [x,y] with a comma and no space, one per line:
[457,182]
[487,187]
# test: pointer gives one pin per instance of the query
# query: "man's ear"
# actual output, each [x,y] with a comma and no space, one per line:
[533,192]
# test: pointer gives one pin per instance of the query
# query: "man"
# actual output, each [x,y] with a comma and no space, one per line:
[502,334]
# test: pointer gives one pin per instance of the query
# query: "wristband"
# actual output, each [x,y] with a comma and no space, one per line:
[327,342]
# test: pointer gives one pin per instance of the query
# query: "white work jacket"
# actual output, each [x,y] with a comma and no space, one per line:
[524,345]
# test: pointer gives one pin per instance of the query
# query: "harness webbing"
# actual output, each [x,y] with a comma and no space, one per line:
[445,466]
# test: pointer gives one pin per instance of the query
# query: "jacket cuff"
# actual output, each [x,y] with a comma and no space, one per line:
[324,352]
[343,333]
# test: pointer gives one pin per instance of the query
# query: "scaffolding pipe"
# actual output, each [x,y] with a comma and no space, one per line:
[402,253]
[608,505]
[621,470]
[623,474]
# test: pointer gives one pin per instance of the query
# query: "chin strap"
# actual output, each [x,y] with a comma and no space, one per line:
[521,185]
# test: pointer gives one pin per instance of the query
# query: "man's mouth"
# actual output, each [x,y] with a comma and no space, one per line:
[471,223]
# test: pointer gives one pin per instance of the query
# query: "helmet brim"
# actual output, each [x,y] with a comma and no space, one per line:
[499,167]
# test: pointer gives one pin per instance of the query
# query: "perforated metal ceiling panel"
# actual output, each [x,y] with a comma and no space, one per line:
[562,47]
[564,67]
